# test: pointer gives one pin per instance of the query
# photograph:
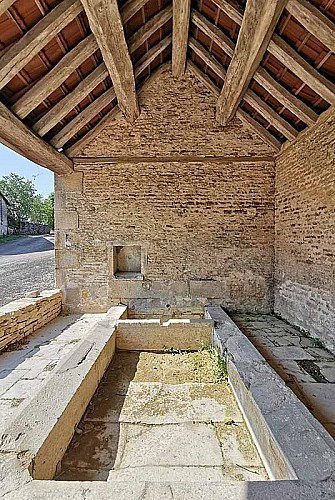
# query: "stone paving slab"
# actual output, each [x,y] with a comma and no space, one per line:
[322,399]
[157,403]
[162,429]
[168,474]
[328,369]
[172,445]
[136,490]
[309,371]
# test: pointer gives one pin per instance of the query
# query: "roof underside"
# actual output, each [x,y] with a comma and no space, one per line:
[46,93]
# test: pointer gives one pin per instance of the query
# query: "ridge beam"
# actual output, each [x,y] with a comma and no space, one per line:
[180,30]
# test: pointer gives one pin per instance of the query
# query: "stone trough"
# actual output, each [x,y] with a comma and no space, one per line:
[168,439]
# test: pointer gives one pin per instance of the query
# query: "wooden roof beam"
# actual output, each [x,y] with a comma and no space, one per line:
[301,68]
[64,135]
[258,24]
[25,49]
[277,121]
[130,8]
[180,29]
[71,100]
[149,28]
[17,136]
[314,21]
[290,101]
[106,24]
[231,9]
[55,77]
[4,5]
[252,124]
[288,57]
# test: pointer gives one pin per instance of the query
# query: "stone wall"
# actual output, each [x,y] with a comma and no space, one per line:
[33,228]
[305,232]
[20,318]
[205,226]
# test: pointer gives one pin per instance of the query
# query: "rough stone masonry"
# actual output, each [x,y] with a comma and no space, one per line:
[205,228]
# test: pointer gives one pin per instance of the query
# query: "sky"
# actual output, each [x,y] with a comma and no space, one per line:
[10,162]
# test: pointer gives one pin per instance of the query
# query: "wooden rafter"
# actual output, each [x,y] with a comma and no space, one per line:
[23,51]
[180,29]
[302,69]
[287,56]
[256,127]
[277,121]
[56,76]
[17,136]
[259,21]
[80,120]
[231,9]
[130,8]
[261,76]
[63,107]
[290,101]
[106,24]
[314,21]
[70,101]
[213,32]
[106,98]
[149,28]
[151,55]
[4,5]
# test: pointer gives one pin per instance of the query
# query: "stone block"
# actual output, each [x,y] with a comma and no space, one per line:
[190,334]
[66,219]
[69,183]
[67,259]
[147,289]
[173,445]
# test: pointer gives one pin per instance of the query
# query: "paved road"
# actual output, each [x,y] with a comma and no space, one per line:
[26,264]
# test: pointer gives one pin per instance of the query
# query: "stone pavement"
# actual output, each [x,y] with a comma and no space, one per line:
[26,366]
[306,367]
[162,417]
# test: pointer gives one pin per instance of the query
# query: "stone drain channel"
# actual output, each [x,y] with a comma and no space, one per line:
[163,417]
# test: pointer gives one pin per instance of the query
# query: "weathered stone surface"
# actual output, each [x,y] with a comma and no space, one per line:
[66,219]
[151,335]
[22,317]
[207,226]
[177,117]
[305,232]
[174,445]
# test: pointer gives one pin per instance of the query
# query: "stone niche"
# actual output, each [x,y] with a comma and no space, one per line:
[127,260]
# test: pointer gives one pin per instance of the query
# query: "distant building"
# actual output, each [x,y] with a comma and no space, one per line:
[3,215]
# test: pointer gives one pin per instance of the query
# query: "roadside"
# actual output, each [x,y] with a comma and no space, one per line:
[26,264]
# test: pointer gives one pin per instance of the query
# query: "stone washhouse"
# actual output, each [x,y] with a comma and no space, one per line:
[188,350]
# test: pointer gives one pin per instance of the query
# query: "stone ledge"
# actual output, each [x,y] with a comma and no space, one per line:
[152,335]
[37,439]
[291,442]
[20,318]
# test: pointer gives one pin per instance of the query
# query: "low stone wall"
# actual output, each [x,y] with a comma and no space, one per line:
[20,318]
[33,228]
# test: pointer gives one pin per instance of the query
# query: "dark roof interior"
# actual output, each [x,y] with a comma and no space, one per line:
[23,15]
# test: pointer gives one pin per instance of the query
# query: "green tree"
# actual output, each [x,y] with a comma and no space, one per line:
[48,206]
[25,203]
